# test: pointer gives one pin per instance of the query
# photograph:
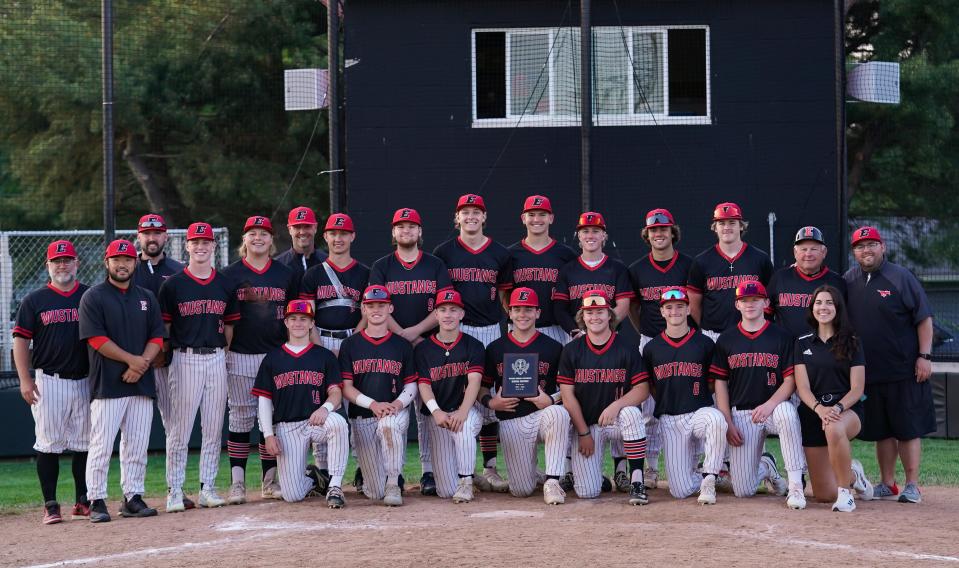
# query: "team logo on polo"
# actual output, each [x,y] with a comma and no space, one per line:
[143,305]
[884,293]
[523,296]
[339,221]
[61,247]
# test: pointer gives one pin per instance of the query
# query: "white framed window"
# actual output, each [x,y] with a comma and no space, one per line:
[641,75]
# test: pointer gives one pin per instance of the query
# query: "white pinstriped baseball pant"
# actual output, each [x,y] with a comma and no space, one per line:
[132,416]
[744,460]
[61,415]
[454,453]
[519,437]
[295,440]
[380,445]
[241,369]
[588,471]
[683,434]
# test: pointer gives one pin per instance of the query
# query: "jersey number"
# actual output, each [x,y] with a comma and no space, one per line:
[492,294]
[771,378]
[220,327]
[317,397]
[696,388]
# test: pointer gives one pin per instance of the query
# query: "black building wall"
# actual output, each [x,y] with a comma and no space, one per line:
[771,145]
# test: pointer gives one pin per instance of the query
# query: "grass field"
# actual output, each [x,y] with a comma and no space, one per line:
[20,490]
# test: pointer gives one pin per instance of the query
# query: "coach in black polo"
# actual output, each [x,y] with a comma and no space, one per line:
[889,310]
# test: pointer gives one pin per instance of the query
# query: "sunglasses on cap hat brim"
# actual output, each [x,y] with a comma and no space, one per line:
[151,224]
[658,219]
[376,295]
[595,302]
[749,291]
[673,296]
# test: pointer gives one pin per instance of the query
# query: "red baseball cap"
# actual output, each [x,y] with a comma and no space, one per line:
[376,294]
[594,300]
[659,218]
[471,200]
[866,234]
[120,247]
[673,294]
[727,210]
[591,219]
[537,203]
[750,289]
[406,215]
[523,297]
[449,297]
[339,222]
[151,222]
[301,215]
[298,307]
[199,231]
[258,222]
[61,249]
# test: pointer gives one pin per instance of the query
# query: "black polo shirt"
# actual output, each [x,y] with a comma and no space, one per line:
[885,307]
[130,318]
[50,317]
[790,293]
[827,374]
[152,277]
[296,261]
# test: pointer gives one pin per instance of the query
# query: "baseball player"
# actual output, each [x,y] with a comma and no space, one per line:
[199,309]
[663,268]
[303,254]
[413,279]
[678,359]
[537,260]
[717,271]
[59,390]
[602,381]
[479,268]
[263,288]
[121,324]
[753,371]
[298,386]
[379,380]
[523,422]
[790,289]
[449,368]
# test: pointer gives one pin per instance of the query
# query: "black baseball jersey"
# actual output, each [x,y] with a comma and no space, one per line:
[297,383]
[827,374]
[649,277]
[316,286]
[477,274]
[754,364]
[885,307]
[152,277]
[379,367]
[300,263]
[790,293]
[131,319]
[198,309]
[539,270]
[715,276]
[600,375]
[679,371]
[447,374]
[51,318]
[261,297]
[412,285]
[548,350]
[577,278]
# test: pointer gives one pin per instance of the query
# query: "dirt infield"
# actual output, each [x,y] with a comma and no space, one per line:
[499,530]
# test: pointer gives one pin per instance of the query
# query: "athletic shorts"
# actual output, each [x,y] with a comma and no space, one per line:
[813,435]
[902,410]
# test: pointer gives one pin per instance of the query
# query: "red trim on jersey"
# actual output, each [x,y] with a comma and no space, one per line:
[475,369]
[552,242]
[754,334]
[76,285]
[294,354]
[307,296]
[197,279]
[230,318]
[331,387]
[443,345]
[156,341]
[718,373]
[98,341]
[733,259]
[668,266]
[269,262]
[486,381]
[681,342]
[592,268]
[376,340]
[627,294]
[822,272]
[518,344]
[559,296]
[444,288]
[346,375]
[337,268]
[409,265]
[261,393]
[411,379]
[488,242]
[605,348]
[691,288]
[23,332]
[565,380]
[166,317]
[789,371]
[119,289]
[639,378]
[423,380]
[505,286]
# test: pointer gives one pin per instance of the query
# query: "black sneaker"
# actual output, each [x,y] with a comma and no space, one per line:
[315,474]
[607,485]
[335,498]
[358,480]
[402,483]
[428,484]
[566,482]
[637,494]
[98,512]
[135,507]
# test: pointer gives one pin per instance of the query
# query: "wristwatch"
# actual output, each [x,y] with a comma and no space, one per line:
[926,356]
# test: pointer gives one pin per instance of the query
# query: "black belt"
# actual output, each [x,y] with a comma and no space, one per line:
[335,334]
[198,350]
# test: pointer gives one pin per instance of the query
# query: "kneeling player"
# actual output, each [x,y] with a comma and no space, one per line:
[753,368]
[602,381]
[379,380]
[449,366]
[525,421]
[299,389]
[678,360]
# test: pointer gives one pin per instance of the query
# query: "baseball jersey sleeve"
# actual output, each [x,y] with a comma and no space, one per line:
[567,368]
[766,270]
[409,373]
[637,370]
[504,280]
[167,301]
[378,273]
[624,288]
[489,369]
[26,319]
[719,369]
[422,364]
[307,289]
[477,357]
[263,384]
[232,313]
[787,358]
[345,361]
[333,377]
[561,291]
[697,278]
[443,281]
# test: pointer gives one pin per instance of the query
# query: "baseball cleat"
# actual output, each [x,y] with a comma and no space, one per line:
[135,507]
[566,482]
[98,512]
[174,502]
[637,494]
[607,485]
[464,491]
[392,497]
[707,491]
[845,503]
[210,498]
[553,494]
[313,473]
[324,478]
[81,511]
[237,494]
[651,478]
[497,483]
[885,492]
[540,478]
[910,494]
[428,484]
[860,484]
[358,480]
[775,484]
[796,499]
[482,484]
[51,513]
[623,484]
[335,498]
[188,503]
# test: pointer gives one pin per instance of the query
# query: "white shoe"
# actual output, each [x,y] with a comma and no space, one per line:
[540,478]
[174,501]
[490,481]
[724,483]
[860,483]
[464,491]
[392,496]
[845,502]
[553,494]
[271,487]
[707,491]
[651,478]
[237,494]
[775,484]
[796,499]
[210,498]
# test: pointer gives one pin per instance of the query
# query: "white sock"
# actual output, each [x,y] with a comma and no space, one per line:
[392,479]
[795,477]
[636,476]
[237,474]
[336,481]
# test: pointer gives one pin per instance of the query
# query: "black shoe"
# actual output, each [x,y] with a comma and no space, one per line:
[566,482]
[402,483]
[188,503]
[607,485]
[98,512]
[358,480]
[316,475]
[428,484]
[135,507]
[637,494]
[335,499]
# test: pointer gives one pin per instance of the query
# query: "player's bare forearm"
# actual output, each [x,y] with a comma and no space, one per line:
[504,299]
[350,392]
[634,315]
[21,358]
[473,381]
[622,309]
[695,306]
[426,325]
[334,396]
[393,326]
[722,400]
[228,335]
[315,337]
[573,408]
[636,395]
[362,325]
[784,391]
[151,351]
[426,392]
